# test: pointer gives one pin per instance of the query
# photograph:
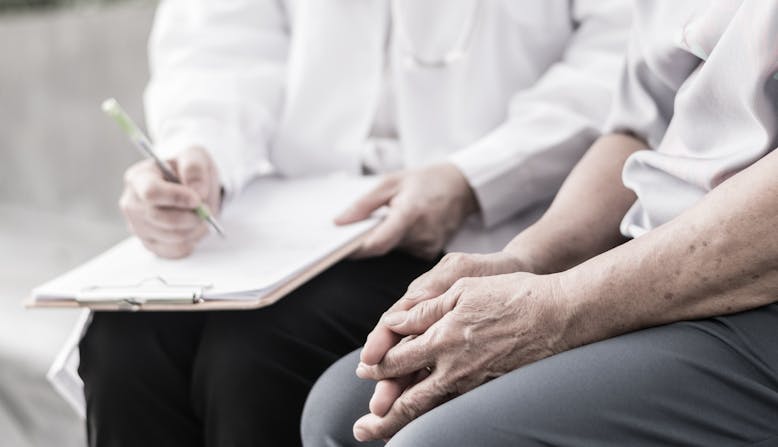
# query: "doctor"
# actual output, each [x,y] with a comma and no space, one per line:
[467,108]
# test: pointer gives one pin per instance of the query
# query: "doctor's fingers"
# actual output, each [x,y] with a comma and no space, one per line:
[136,210]
[169,251]
[197,171]
[387,235]
[150,187]
[422,243]
[379,196]
[188,236]
[173,218]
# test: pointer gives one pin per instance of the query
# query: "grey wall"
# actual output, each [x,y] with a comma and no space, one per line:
[57,151]
[58,155]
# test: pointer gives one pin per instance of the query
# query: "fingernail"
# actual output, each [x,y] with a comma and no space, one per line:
[415,294]
[360,434]
[394,318]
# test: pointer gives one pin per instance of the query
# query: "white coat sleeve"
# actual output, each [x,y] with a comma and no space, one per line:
[551,124]
[217,81]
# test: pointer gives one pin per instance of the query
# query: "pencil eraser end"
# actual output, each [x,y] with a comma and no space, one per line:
[110,106]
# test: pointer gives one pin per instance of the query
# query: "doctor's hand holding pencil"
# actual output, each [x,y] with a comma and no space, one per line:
[160,213]
[167,203]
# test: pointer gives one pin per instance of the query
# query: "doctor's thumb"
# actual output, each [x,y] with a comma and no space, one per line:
[364,207]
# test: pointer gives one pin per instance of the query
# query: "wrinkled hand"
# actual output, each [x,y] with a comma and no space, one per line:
[426,206]
[480,329]
[160,212]
[435,282]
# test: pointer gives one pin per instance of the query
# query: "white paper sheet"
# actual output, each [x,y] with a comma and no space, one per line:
[275,229]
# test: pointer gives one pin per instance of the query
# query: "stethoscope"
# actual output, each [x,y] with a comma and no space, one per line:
[459,49]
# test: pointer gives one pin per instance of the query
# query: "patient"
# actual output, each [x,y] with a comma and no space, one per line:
[668,338]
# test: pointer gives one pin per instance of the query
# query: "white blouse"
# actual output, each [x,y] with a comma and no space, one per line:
[700,87]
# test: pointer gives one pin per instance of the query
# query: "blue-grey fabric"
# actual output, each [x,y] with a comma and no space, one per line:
[705,383]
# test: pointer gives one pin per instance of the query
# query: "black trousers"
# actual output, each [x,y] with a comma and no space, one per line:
[230,378]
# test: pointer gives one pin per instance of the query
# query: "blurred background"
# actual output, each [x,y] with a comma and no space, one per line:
[61,166]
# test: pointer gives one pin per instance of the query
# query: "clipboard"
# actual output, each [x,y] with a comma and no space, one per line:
[275,243]
[157,294]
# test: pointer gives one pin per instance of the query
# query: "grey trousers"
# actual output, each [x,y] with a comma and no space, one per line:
[710,382]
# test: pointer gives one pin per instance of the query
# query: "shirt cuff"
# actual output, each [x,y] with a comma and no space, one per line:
[502,189]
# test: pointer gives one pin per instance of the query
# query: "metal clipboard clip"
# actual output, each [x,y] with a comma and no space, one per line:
[153,290]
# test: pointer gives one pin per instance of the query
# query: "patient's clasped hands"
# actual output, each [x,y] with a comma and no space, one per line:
[462,327]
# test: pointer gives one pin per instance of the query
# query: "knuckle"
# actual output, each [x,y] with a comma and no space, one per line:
[438,336]
[461,284]
[194,171]
[383,315]
[465,262]
[180,199]
[132,171]
[377,248]
[152,193]
[176,219]
[124,204]
[448,258]
[386,182]
[425,311]
[178,235]
[416,284]
[413,211]
[393,178]
[367,249]
[129,175]
[168,219]
[456,260]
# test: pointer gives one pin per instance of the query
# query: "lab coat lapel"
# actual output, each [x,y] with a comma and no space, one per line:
[335,68]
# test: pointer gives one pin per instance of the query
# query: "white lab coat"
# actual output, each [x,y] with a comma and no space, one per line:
[293,86]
